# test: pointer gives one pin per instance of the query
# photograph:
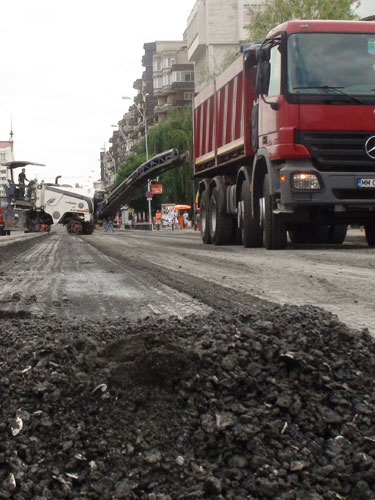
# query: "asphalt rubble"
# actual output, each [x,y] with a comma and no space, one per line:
[271,404]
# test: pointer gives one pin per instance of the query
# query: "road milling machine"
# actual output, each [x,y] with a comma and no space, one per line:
[37,206]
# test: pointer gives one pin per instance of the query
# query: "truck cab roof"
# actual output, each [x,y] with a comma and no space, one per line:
[331,25]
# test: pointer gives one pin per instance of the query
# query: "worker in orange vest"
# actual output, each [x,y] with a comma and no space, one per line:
[158,219]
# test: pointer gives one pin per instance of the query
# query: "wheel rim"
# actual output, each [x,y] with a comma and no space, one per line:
[203,218]
[213,215]
[262,211]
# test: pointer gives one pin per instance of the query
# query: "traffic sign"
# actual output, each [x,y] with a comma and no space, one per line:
[157,188]
[149,195]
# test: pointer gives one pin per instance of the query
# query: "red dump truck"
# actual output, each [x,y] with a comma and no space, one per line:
[284,139]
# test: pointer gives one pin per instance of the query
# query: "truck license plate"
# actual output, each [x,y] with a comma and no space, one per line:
[366,183]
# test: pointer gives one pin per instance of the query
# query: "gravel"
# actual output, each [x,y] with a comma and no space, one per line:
[272,404]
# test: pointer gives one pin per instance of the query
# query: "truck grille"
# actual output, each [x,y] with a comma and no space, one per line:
[337,151]
[354,194]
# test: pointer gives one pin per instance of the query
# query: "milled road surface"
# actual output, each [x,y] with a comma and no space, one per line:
[252,401]
[139,273]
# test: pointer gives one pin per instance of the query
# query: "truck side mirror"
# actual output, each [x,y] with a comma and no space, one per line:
[263,54]
[263,78]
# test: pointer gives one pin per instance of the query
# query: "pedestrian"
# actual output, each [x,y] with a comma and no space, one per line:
[21,181]
[158,219]
[109,225]
[186,219]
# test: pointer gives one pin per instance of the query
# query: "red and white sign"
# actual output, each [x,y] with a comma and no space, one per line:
[157,188]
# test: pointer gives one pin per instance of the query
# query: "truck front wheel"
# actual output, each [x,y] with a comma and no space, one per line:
[204,211]
[337,234]
[221,224]
[370,234]
[251,232]
[274,229]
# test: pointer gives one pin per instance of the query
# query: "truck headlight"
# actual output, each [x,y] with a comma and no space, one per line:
[305,182]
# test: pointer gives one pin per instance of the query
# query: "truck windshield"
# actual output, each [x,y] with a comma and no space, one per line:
[321,61]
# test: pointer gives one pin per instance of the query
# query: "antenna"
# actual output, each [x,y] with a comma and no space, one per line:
[11,129]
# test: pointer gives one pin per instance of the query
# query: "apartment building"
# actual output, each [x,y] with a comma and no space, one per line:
[172,76]
[6,154]
[216,30]
[167,81]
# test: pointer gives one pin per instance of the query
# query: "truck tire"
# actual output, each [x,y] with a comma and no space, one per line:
[297,235]
[309,234]
[274,230]
[370,234]
[221,224]
[337,234]
[204,211]
[251,232]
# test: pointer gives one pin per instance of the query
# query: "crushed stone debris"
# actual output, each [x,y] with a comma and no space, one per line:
[275,403]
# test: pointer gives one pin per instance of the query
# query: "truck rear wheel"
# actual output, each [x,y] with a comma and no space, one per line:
[274,230]
[221,224]
[370,234]
[204,211]
[251,232]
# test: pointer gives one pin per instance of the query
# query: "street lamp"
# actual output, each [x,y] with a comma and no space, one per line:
[143,115]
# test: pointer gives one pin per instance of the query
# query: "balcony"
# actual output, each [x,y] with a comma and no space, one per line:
[137,84]
[158,109]
[138,99]
[188,86]
[166,89]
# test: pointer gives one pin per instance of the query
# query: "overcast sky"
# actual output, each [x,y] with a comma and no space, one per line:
[65,66]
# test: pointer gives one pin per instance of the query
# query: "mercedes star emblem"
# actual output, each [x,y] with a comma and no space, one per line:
[370,147]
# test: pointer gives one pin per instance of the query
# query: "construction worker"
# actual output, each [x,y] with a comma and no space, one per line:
[158,219]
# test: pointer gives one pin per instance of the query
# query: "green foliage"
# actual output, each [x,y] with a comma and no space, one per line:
[175,132]
[279,11]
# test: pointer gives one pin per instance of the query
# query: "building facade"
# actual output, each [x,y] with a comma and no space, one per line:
[215,31]
[173,77]
[167,81]
[6,154]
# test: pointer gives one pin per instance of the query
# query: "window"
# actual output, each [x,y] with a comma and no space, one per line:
[166,80]
[342,61]
[188,96]
[3,156]
[157,65]
[158,82]
[275,77]
[168,62]
[183,76]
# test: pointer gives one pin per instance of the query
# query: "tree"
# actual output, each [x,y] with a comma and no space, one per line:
[175,132]
[279,11]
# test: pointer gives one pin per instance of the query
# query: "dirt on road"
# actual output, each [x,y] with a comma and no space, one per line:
[233,397]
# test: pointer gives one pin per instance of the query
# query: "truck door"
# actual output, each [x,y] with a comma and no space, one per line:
[268,108]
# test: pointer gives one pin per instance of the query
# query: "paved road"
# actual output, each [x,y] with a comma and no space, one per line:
[140,273]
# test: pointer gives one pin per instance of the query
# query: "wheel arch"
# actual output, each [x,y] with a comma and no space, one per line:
[261,167]
[244,174]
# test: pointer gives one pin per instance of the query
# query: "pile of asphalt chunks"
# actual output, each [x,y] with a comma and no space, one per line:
[276,403]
